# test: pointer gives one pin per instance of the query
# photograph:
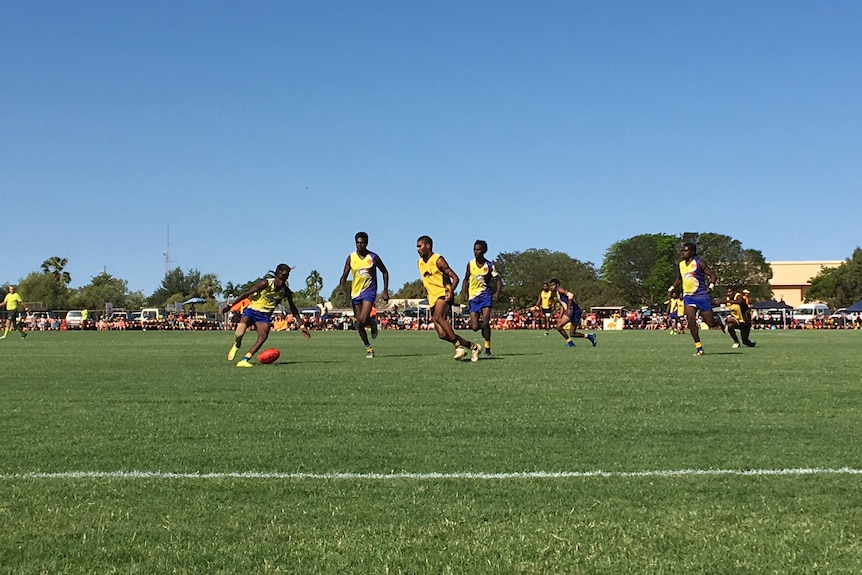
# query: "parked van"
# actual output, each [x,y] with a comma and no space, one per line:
[808,311]
[152,317]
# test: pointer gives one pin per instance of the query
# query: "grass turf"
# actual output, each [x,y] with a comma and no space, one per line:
[639,402]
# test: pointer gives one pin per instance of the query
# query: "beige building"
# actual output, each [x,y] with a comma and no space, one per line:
[791,280]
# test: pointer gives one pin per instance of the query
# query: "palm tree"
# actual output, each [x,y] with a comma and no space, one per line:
[55,265]
[230,289]
[314,283]
[209,286]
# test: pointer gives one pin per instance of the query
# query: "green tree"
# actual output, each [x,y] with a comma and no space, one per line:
[135,300]
[50,287]
[342,301]
[176,283]
[410,290]
[172,284]
[42,288]
[641,268]
[524,272]
[209,286]
[313,286]
[104,288]
[192,283]
[302,299]
[841,286]
[55,266]
[230,290]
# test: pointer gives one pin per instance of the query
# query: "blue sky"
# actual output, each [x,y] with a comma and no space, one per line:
[273,131]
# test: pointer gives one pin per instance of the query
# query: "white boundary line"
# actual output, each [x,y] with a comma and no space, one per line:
[35,475]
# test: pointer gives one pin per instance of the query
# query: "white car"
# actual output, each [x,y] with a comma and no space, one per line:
[75,319]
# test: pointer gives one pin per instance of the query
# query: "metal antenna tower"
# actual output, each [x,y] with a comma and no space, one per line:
[167,252]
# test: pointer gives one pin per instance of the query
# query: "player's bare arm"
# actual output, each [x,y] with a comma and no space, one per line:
[297,316]
[344,275]
[496,296]
[713,279]
[385,273]
[255,288]
[449,273]
[465,290]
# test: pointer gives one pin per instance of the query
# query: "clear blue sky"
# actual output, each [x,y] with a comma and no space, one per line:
[272,131]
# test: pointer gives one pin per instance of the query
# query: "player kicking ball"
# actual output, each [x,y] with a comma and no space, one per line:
[265,296]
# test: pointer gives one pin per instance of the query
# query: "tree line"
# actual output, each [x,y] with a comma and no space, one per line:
[635,273]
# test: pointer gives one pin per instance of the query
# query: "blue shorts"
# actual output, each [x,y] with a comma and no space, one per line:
[701,302]
[673,315]
[369,296]
[575,313]
[481,301]
[256,316]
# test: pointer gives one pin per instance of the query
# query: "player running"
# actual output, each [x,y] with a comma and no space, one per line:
[545,303]
[675,313]
[440,281]
[693,273]
[14,305]
[364,265]
[478,278]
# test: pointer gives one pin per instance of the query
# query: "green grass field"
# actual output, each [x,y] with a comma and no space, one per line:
[147,452]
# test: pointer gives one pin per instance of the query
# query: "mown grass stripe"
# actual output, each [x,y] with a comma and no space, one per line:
[423,476]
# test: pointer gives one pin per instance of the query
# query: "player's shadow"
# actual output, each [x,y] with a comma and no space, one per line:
[311,362]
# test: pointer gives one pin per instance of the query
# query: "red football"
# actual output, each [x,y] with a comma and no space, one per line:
[268,355]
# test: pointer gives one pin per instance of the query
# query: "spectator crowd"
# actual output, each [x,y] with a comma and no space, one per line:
[511,319]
